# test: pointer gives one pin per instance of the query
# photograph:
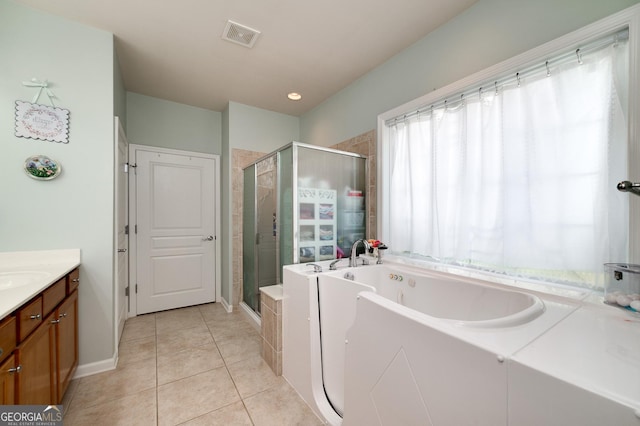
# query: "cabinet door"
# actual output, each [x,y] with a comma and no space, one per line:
[36,356]
[8,381]
[66,342]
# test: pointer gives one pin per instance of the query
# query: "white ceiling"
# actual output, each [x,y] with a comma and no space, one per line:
[173,50]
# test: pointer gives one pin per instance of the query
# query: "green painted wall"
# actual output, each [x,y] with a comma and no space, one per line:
[485,34]
[156,122]
[76,209]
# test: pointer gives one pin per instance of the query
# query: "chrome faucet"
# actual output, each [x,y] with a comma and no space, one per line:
[332,265]
[316,268]
[353,259]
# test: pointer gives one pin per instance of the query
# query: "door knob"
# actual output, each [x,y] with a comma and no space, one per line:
[122,250]
[209,238]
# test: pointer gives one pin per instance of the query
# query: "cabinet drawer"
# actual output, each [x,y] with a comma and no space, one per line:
[29,317]
[54,295]
[73,280]
[7,337]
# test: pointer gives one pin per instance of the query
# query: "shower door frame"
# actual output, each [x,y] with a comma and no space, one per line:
[256,252]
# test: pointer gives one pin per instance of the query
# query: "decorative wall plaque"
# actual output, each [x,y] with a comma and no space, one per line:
[42,167]
[35,121]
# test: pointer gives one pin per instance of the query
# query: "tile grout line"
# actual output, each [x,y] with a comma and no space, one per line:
[224,361]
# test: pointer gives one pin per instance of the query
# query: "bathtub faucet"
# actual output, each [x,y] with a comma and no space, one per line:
[332,265]
[316,268]
[353,259]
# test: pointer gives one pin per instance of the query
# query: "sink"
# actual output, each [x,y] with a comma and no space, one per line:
[14,279]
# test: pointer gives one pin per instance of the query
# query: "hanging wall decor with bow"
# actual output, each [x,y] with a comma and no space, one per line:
[36,121]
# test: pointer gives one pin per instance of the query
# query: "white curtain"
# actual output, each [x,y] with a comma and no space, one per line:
[519,179]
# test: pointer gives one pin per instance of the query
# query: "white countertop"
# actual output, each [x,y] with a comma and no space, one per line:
[48,266]
[273,291]
[596,348]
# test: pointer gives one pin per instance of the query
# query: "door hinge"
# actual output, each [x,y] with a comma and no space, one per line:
[126,229]
[135,228]
[136,288]
[126,291]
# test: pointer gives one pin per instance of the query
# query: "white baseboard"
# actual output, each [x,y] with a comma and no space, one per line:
[227,307]
[85,370]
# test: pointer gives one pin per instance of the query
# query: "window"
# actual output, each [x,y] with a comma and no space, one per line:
[518,175]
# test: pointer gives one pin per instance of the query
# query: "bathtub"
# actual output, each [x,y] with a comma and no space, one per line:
[333,323]
[392,344]
[440,298]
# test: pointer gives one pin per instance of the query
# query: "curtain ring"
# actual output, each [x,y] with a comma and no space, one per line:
[495,83]
[518,78]
[546,64]
[480,93]
[579,56]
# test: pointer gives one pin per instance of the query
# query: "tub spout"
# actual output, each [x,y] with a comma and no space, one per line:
[353,259]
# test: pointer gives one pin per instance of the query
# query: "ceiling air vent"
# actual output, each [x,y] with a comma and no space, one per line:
[240,34]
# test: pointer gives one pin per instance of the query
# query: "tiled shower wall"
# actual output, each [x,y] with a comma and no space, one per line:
[364,144]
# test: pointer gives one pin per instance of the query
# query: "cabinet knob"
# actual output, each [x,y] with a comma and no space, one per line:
[55,321]
[35,317]
[75,280]
[16,369]
[62,315]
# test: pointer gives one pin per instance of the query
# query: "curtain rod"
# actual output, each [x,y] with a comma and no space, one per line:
[494,85]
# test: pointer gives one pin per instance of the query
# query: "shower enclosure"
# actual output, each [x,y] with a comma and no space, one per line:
[301,203]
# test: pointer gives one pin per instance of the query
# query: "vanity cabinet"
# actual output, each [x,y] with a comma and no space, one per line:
[35,356]
[66,354]
[8,381]
[44,355]
[7,360]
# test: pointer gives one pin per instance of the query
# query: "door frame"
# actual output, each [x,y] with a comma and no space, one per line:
[120,138]
[133,197]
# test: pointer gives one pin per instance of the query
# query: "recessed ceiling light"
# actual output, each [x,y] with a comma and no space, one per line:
[294,96]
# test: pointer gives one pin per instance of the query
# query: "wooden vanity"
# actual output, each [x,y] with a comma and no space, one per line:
[39,344]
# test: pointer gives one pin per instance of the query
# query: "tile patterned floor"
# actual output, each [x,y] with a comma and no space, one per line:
[192,366]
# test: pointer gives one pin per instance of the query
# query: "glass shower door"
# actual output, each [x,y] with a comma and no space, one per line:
[267,272]
[260,233]
[249,238]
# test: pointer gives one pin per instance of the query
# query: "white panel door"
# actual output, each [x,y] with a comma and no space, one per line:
[175,230]
[122,221]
